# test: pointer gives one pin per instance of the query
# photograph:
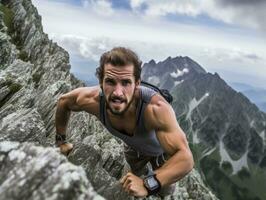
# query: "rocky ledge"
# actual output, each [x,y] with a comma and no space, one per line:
[34,172]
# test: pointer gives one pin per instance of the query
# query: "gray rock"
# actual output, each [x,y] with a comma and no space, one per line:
[25,125]
[32,172]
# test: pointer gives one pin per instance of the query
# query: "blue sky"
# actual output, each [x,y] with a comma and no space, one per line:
[223,36]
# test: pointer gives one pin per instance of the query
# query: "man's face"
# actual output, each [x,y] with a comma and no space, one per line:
[119,87]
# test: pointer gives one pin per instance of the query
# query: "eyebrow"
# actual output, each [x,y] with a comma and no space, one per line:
[123,79]
[126,79]
[108,78]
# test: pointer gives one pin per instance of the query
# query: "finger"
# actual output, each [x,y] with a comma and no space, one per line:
[66,148]
[122,180]
[128,180]
[71,146]
[129,174]
[69,150]
[62,149]
[128,190]
[129,186]
[132,190]
[125,177]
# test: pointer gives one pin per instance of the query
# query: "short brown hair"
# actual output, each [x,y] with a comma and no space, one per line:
[119,56]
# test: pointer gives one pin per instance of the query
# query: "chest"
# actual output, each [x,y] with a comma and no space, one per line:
[126,126]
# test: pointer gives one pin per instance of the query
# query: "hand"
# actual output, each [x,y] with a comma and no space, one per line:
[66,148]
[133,185]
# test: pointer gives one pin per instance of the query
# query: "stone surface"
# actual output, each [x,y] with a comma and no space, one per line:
[34,172]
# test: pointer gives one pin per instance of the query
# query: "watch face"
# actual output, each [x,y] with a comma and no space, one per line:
[152,183]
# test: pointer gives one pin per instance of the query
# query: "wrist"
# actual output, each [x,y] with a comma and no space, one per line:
[152,184]
[60,139]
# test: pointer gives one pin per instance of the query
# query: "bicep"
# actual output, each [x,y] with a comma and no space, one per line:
[172,141]
[169,133]
[74,100]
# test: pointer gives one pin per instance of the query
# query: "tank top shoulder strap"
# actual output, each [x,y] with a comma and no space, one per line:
[102,107]
[146,95]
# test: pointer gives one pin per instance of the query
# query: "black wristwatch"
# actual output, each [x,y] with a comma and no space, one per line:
[60,139]
[152,184]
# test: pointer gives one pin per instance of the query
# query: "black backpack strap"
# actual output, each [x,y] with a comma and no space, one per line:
[102,106]
[165,93]
[149,85]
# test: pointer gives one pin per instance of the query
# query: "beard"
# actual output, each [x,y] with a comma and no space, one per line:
[120,99]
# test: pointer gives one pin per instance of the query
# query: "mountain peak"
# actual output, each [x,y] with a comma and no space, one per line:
[152,62]
[171,71]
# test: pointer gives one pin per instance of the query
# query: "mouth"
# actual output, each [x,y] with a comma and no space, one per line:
[117,101]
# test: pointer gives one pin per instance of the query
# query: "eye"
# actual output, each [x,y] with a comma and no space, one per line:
[126,82]
[109,81]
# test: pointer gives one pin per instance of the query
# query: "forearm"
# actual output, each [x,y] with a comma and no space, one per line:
[175,168]
[61,117]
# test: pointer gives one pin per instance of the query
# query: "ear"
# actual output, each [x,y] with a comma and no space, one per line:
[138,83]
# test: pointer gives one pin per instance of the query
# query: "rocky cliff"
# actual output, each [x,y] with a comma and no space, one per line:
[34,72]
[226,131]
[30,172]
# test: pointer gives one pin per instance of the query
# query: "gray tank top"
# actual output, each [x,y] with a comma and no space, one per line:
[141,141]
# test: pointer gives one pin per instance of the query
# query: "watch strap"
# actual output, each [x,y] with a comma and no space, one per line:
[150,191]
[60,139]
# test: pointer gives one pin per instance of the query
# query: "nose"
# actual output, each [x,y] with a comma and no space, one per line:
[118,91]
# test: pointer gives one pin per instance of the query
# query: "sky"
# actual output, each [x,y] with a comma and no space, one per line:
[223,36]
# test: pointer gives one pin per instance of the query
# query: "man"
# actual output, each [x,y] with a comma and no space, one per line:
[137,115]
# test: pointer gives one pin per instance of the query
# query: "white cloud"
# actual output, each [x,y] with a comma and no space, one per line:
[89,48]
[84,32]
[153,8]
[102,7]
[85,3]
[233,55]
[183,7]
[64,19]
[136,3]
[248,14]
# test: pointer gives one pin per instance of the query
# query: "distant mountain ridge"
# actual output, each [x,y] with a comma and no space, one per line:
[256,95]
[171,71]
[225,130]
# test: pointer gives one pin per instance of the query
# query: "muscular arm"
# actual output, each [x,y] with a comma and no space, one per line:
[80,99]
[173,141]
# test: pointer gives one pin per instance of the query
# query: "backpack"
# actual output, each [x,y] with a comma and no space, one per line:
[165,93]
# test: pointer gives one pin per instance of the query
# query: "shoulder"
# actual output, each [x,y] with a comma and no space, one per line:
[91,93]
[82,92]
[159,114]
[83,99]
